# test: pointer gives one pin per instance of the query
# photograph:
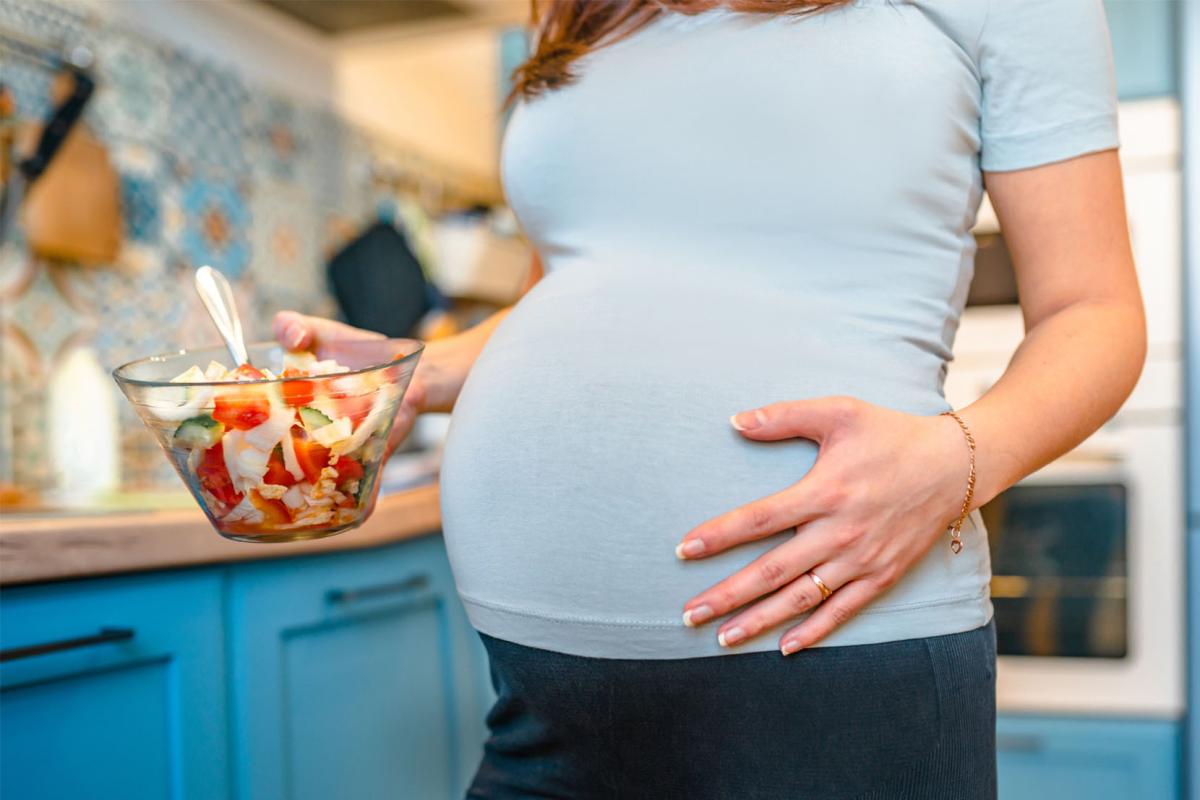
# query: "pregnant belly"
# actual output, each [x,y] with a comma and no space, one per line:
[594,433]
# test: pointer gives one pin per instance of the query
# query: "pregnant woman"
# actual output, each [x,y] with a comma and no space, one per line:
[763,208]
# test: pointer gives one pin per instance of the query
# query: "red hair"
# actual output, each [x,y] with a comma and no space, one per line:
[566,30]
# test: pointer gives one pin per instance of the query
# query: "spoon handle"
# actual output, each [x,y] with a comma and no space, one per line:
[217,296]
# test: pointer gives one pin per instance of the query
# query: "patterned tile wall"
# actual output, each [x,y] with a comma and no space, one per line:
[212,170]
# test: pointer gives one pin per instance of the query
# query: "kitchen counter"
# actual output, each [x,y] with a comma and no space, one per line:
[46,548]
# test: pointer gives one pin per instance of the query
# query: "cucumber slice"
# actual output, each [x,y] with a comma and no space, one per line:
[198,433]
[314,419]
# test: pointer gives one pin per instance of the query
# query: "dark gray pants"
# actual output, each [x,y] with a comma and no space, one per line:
[892,721]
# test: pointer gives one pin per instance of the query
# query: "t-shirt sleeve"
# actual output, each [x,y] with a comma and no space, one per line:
[1048,87]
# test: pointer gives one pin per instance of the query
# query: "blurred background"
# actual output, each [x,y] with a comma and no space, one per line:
[293,143]
[261,138]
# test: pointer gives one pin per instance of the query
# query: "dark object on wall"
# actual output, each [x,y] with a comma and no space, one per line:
[74,94]
[995,283]
[379,284]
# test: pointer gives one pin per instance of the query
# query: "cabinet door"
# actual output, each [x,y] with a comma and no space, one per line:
[1144,43]
[131,706]
[1065,759]
[354,676]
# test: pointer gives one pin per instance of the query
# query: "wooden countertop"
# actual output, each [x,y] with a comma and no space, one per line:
[37,549]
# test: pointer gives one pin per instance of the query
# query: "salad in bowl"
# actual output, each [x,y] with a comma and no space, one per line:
[284,450]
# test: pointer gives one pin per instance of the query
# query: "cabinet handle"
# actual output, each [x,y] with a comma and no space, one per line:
[105,636]
[1019,743]
[406,586]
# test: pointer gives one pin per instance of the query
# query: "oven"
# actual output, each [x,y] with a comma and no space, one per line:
[1088,562]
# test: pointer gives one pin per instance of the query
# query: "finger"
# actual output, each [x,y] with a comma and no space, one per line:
[762,576]
[291,330]
[751,522]
[839,609]
[797,597]
[299,331]
[810,419]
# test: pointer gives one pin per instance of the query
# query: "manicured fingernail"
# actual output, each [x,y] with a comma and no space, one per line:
[789,647]
[689,549]
[294,334]
[697,616]
[747,420]
[731,637]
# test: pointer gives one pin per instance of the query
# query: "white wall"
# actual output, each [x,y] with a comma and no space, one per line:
[438,94]
[265,47]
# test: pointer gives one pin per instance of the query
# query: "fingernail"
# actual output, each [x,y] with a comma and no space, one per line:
[697,616]
[747,420]
[294,335]
[690,548]
[730,637]
[789,647]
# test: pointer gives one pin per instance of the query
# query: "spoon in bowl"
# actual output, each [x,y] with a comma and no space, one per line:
[217,296]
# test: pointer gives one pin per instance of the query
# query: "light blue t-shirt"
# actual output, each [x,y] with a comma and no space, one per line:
[737,209]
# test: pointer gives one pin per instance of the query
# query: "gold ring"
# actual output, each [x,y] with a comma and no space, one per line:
[825,590]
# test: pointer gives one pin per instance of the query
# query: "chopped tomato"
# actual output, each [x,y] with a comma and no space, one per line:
[276,472]
[312,457]
[296,392]
[246,372]
[214,477]
[348,469]
[242,408]
[274,511]
[356,407]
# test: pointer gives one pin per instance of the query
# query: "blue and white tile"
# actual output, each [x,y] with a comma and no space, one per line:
[17,267]
[288,266]
[208,109]
[29,83]
[45,318]
[23,385]
[143,181]
[60,21]
[207,221]
[280,143]
[139,313]
[133,101]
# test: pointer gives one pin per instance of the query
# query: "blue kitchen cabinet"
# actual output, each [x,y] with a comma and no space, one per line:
[1089,759]
[354,675]
[1145,45]
[133,705]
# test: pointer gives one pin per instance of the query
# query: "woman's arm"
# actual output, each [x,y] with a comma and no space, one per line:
[1085,328]
[886,484]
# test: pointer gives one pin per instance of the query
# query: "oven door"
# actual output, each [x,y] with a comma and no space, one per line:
[1087,579]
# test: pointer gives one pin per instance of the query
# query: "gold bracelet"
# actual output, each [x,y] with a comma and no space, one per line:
[956,528]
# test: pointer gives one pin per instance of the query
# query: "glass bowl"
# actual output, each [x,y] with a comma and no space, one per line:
[277,460]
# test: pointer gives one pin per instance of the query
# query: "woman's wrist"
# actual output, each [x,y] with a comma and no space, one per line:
[995,469]
[444,366]
[440,375]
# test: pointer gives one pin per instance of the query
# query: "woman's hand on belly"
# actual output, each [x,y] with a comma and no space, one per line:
[883,490]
